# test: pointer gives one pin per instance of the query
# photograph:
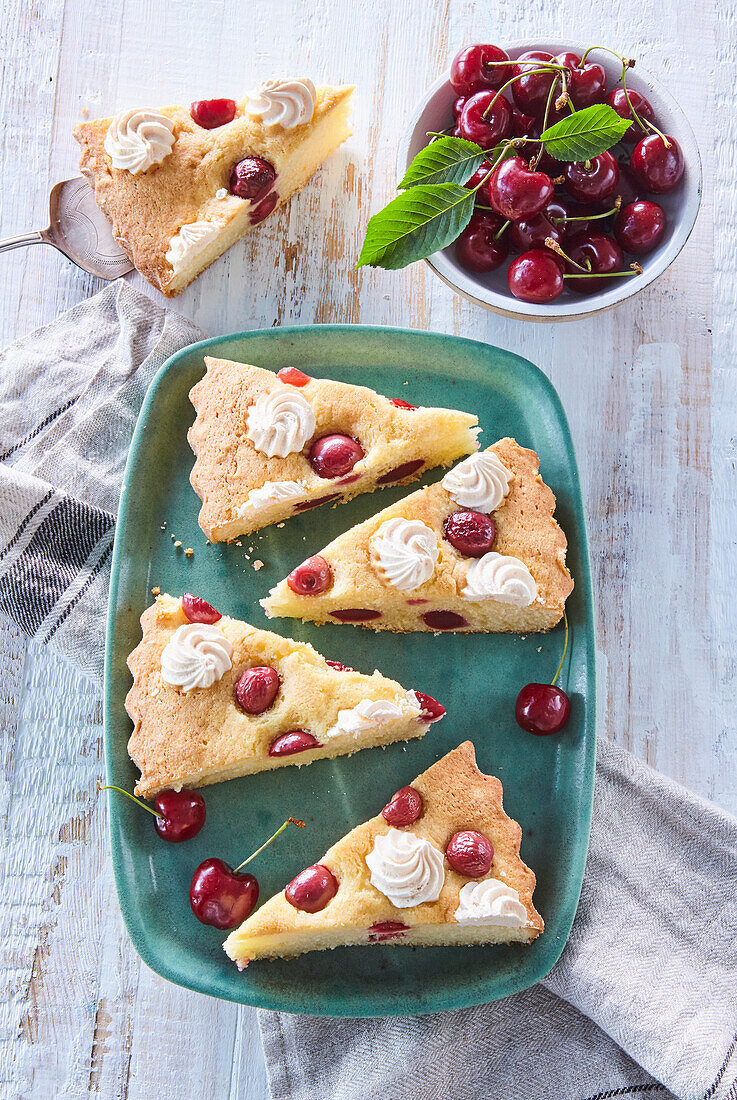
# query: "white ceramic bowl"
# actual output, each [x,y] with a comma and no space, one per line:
[681,206]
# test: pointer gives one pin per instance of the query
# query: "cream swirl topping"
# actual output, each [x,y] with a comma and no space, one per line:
[373,714]
[500,577]
[280,422]
[196,656]
[272,492]
[138,139]
[406,868]
[480,482]
[285,103]
[189,241]
[490,902]
[404,552]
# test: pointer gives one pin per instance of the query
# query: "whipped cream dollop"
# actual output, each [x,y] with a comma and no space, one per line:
[272,492]
[500,577]
[373,714]
[404,552]
[138,139]
[285,103]
[196,656]
[480,482]
[189,241]
[490,902]
[406,868]
[280,422]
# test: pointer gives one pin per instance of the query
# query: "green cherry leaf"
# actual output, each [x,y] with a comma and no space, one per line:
[420,221]
[447,160]
[585,133]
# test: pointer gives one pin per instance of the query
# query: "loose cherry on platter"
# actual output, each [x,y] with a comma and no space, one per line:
[252,178]
[471,533]
[400,404]
[211,113]
[311,577]
[515,192]
[534,232]
[198,610]
[656,165]
[476,67]
[597,252]
[470,853]
[257,688]
[334,455]
[586,83]
[544,708]
[639,227]
[478,248]
[536,276]
[405,807]
[312,889]
[432,710]
[532,89]
[178,815]
[292,376]
[593,180]
[287,744]
[222,896]
[617,100]
[486,118]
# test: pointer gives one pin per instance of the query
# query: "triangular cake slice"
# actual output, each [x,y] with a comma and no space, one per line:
[269,446]
[452,875]
[478,551]
[182,184]
[214,698]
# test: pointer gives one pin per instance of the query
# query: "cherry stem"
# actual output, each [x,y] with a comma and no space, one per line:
[501,228]
[565,649]
[553,245]
[591,217]
[289,821]
[635,269]
[138,801]
[629,63]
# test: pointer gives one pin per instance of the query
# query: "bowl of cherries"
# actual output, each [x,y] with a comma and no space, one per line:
[542,181]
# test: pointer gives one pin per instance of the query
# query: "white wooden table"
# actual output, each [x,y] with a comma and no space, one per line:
[650,391]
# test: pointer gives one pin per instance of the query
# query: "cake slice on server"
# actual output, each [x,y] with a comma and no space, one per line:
[182,184]
[214,698]
[269,446]
[478,551]
[439,866]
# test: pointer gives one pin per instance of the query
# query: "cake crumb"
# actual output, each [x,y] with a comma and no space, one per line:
[238,542]
[280,525]
[84,112]
[539,649]
[258,564]
[189,551]
[163,526]
[177,542]
[156,591]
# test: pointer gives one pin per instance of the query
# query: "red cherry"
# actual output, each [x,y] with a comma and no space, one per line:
[559,211]
[252,178]
[339,667]
[630,188]
[594,183]
[532,89]
[399,473]
[311,577]
[400,404]
[470,853]
[432,710]
[184,815]
[334,455]
[478,248]
[536,276]
[211,113]
[478,177]
[387,930]
[306,505]
[600,254]
[522,124]
[639,227]
[472,533]
[587,83]
[355,615]
[198,610]
[404,808]
[458,107]
[542,709]
[312,889]
[533,233]
[473,69]
[617,100]
[257,688]
[221,896]
[486,118]
[657,167]
[293,377]
[286,744]
[515,192]
[443,620]
[262,209]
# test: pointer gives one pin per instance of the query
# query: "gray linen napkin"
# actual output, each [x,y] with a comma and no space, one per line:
[644,998]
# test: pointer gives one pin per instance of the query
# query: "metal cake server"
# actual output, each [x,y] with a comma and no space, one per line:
[79,229]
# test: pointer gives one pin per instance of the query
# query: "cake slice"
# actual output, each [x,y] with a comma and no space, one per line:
[181,185]
[478,551]
[439,866]
[214,698]
[269,445]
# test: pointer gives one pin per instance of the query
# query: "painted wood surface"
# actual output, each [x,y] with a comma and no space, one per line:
[649,389]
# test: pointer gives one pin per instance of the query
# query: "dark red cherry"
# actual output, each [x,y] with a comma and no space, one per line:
[542,709]
[306,505]
[594,183]
[657,167]
[597,252]
[486,118]
[198,610]
[458,107]
[432,710]
[311,577]
[531,90]
[387,930]
[587,83]
[252,178]
[476,67]
[470,853]
[404,808]
[515,192]
[293,377]
[334,455]
[472,533]
[312,889]
[564,215]
[262,209]
[630,189]
[478,177]
[443,620]
[221,896]
[639,227]
[400,472]
[338,666]
[522,125]
[355,615]
[400,404]
[184,815]
[535,276]
[286,744]
[211,113]
[617,100]
[524,235]
[478,248]
[257,688]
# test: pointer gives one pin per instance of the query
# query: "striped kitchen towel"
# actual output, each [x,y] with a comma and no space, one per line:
[69,398]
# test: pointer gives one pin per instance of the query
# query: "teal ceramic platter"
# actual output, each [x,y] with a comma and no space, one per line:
[548,781]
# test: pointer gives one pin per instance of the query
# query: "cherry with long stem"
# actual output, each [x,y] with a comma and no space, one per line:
[544,709]
[178,815]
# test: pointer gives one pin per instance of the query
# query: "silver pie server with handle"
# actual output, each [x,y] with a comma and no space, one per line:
[79,229]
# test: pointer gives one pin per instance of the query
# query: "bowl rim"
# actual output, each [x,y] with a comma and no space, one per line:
[506,304]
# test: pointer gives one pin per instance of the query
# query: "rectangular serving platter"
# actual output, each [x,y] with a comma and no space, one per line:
[548,781]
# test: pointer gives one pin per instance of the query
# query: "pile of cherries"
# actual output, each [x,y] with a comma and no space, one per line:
[569,222]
